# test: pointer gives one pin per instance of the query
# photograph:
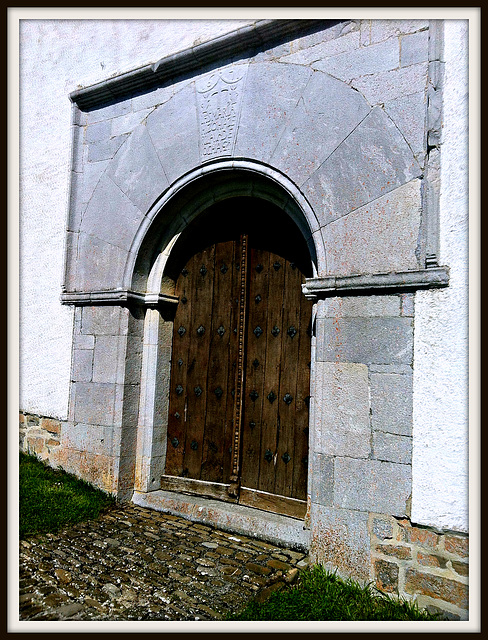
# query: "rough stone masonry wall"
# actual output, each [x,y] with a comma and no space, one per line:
[39,436]
[420,562]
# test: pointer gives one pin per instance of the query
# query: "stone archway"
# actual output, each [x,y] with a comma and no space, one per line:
[224,187]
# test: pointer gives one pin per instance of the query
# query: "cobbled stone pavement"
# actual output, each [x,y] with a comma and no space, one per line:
[139,564]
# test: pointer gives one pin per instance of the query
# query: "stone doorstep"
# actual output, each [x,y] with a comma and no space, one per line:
[267,527]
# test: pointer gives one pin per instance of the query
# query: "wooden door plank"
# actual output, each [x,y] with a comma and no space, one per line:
[179,365]
[273,503]
[196,389]
[222,353]
[196,487]
[257,327]
[274,334]
[289,363]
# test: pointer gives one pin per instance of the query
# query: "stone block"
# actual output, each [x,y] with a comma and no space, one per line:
[173,129]
[408,305]
[393,448]
[83,341]
[431,560]
[127,403]
[117,230]
[325,115]
[105,149]
[461,568]
[89,438]
[96,469]
[458,545]
[34,445]
[392,403]
[359,307]
[51,425]
[418,536]
[323,50]
[401,369]
[383,29]
[341,406]
[322,480]
[31,420]
[340,541]
[102,320]
[362,61]
[155,97]
[127,123]
[98,132]
[365,340]
[371,485]
[438,587]
[99,265]
[272,93]
[108,359]
[414,48]
[92,172]
[94,403]
[365,33]
[386,576]
[324,35]
[382,529]
[133,360]
[78,149]
[380,88]
[125,478]
[377,238]
[371,162]
[108,111]
[395,551]
[408,113]
[82,366]
[137,170]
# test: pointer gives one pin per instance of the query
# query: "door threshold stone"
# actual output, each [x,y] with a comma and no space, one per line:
[270,527]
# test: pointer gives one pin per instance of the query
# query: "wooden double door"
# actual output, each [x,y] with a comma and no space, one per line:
[240,378]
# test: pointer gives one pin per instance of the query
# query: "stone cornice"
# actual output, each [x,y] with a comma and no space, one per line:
[244,39]
[122,297]
[376,283]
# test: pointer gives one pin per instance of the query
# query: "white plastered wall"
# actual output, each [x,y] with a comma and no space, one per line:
[56,58]
[440,410]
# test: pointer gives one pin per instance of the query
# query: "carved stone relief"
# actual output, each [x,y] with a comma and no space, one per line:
[219,100]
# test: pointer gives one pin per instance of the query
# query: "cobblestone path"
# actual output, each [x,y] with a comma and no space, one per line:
[139,564]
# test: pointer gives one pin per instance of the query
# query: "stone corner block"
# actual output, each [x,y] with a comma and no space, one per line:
[392,403]
[340,541]
[341,405]
[365,340]
[372,485]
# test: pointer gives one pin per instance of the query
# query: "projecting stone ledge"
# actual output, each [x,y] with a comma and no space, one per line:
[403,280]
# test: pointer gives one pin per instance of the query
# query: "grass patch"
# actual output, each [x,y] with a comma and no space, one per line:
[320,595]
[51,498]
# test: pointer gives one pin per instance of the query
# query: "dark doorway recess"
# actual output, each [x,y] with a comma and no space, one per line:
[240,370]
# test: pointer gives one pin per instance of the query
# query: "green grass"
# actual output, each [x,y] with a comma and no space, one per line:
[51,498]
[320,595]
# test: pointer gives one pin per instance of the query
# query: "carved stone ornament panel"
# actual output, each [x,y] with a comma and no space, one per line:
[219,101]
